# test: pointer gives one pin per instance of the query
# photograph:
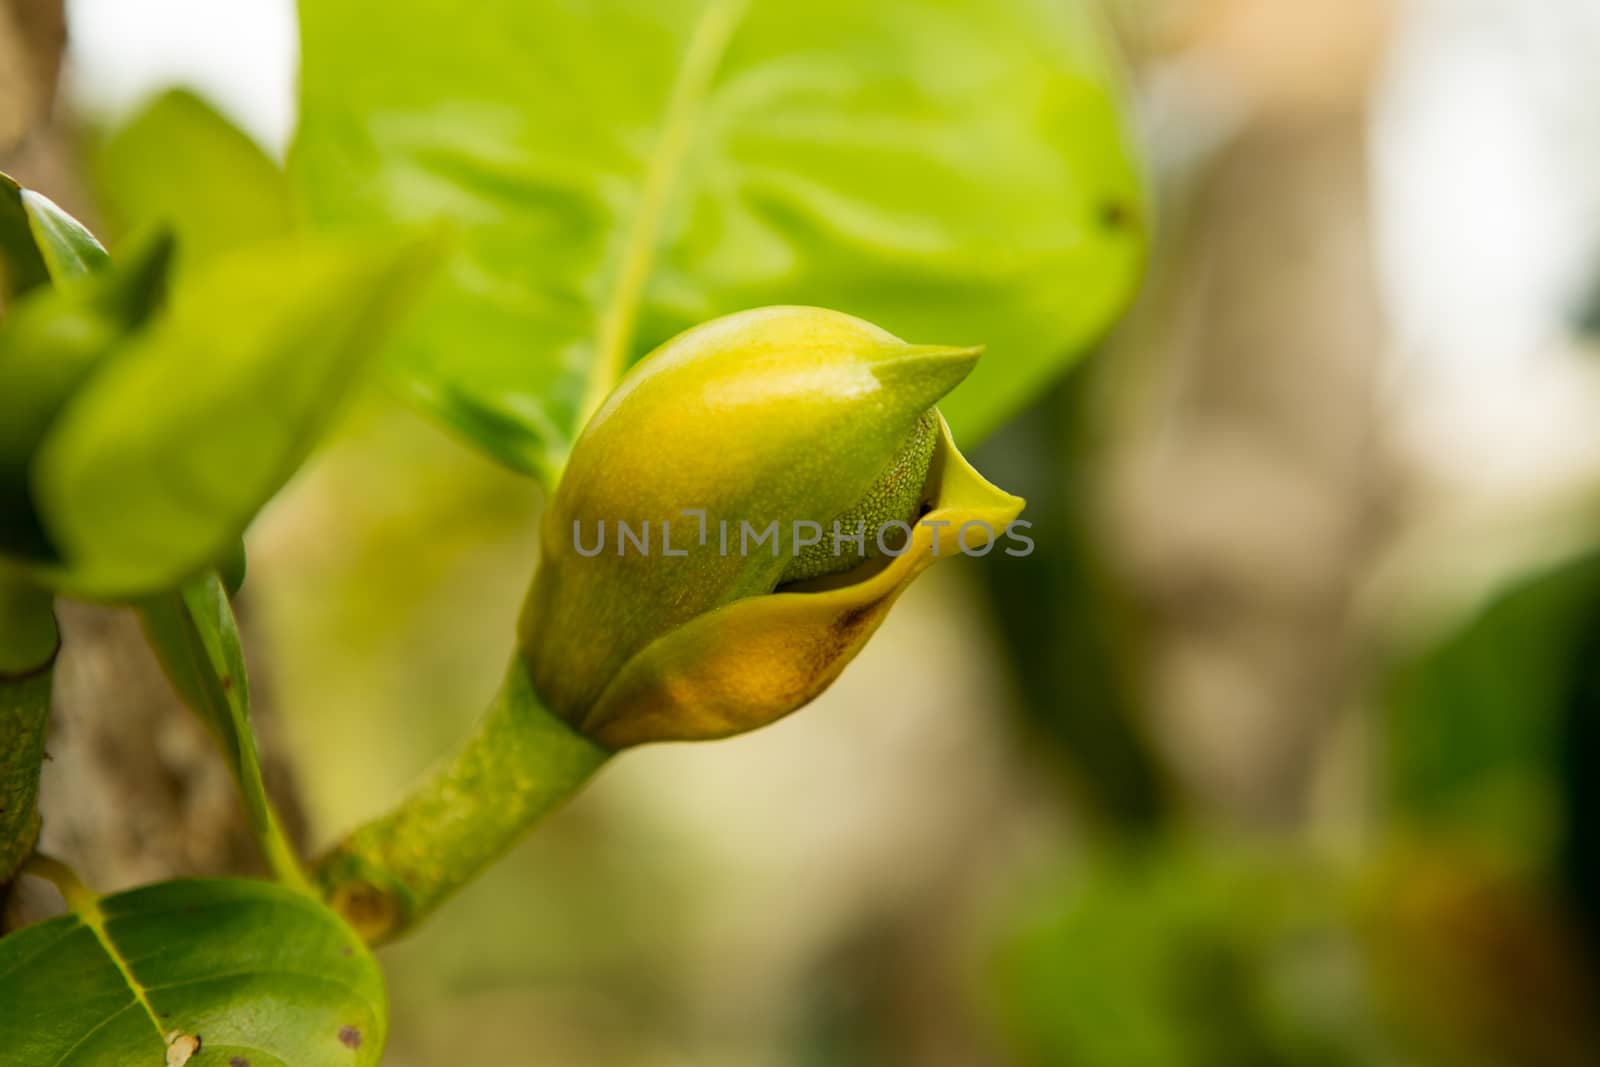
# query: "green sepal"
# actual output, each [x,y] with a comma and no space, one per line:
[22,268]
[67,247]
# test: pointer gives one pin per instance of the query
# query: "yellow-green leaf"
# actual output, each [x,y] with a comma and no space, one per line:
[619,171]
[157,464]
[179,164]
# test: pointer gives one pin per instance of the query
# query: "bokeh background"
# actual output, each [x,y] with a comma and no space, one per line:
[1276,752]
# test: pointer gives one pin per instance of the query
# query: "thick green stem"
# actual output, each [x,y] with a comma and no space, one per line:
[28,644]
[520,764]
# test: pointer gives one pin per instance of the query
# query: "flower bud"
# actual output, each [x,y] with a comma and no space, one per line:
[690,584]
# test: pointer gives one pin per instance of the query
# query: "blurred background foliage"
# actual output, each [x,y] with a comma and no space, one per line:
[1277,751]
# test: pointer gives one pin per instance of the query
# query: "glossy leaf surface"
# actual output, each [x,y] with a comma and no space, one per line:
[259,975]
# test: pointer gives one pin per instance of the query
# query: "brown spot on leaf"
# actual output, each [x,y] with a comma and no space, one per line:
[350,1037]
[238,1061]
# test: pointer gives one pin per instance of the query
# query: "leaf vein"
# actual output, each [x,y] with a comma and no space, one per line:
[17,964]
[95,1029]
[703,55]
[88,911]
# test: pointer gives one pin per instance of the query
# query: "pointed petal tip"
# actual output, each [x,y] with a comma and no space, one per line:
[924,373]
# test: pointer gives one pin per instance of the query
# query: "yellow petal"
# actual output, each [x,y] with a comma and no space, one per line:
[755,660]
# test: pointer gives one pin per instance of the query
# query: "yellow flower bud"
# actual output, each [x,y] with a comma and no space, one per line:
[690,584]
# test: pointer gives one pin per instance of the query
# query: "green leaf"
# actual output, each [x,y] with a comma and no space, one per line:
[232,567]
[156,465]
[953,171]
[180,164]
[196,638]
[1186,953]
[22,268]
[259,974]
[68,248]
[50,345]
[1476,725]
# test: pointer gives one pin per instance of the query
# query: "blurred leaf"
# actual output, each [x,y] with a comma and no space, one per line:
[257,973]
[67,247]
[50,344]
[1494,736]
[21,266]
[194,635]
[955,171]
[1580,749]
[1476,723]
[1173,956]
[232,567]
[1474,965]
[181,165]
[158,463]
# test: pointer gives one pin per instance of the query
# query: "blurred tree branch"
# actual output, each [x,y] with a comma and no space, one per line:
[33,34]
[33,142]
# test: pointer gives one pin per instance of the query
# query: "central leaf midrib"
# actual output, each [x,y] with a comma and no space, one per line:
[87,909]
[701,57]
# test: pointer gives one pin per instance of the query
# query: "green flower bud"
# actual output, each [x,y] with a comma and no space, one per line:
[689,583]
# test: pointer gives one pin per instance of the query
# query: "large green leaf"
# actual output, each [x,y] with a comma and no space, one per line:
[955,170]
[156,465]
[259,974]
[179,164]
[194,634]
